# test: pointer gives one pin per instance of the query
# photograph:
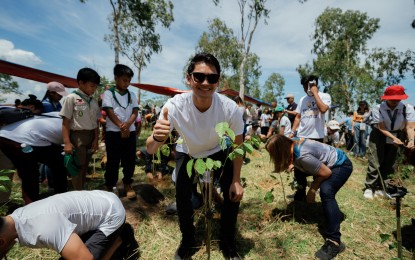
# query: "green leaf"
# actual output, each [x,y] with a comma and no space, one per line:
[179,141]
[239,152]
[221,128]
[269,197]
[231,134]
[218,164]
[223,143]
[232,156]
[189,167]
[4,178]
[3,189]
[248,147]
[210,164]
[384,237]
[165,150]
[272,176]
[392,245]
[200,166]
[6,171]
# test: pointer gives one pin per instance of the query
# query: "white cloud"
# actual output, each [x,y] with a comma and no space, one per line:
[10,53]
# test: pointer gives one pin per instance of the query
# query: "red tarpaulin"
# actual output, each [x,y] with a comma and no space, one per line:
[46,77]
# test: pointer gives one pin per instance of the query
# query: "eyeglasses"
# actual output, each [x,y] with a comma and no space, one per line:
[201,77]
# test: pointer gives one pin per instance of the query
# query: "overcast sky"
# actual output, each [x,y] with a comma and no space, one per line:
[62,36]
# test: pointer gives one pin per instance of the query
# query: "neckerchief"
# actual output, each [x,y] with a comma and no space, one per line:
[112,89]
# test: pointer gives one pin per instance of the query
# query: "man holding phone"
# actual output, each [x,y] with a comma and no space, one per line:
[309,122]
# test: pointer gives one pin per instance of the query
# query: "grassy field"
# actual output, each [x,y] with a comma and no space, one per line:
[277,230]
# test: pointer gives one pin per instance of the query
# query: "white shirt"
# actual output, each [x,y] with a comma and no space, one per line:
[312,120]
[35,131]
[122,107]
[197,129]
[50,222]
[250,131]
[286,123]
[380,114]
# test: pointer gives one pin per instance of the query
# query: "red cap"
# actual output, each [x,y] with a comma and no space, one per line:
[395,92]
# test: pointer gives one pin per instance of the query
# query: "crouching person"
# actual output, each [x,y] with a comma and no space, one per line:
[330,169]
[60,222]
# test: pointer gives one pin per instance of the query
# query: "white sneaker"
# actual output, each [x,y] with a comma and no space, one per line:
[380,194]
[368,194]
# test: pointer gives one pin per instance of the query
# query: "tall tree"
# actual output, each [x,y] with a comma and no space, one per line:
[138,37]
[8,85]
[274,88]
[252,11]
[221,41]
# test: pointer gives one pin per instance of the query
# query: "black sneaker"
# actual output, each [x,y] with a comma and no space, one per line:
[185,250]
[229,250]
[329,250]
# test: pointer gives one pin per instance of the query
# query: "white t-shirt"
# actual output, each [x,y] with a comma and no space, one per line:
[285,122]
[312,120]
[50,222]
[122,105]
[265,120]
[250,131]
[197,129]
[333,138]
[35,131]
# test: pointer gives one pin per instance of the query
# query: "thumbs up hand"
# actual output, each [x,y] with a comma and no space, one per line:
[162,127]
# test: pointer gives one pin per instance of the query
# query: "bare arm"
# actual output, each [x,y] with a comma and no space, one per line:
[66,129]
[296,123]
[161,132]
[320,104]
[410,128]
[75,249]
[323,173]
[382,129]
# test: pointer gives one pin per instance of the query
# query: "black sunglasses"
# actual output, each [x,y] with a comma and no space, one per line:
[201,77]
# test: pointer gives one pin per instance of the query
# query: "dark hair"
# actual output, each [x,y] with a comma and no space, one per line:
[365,108]
[2,224]
[238,100]
[350,113]
[88,75]
[279,149]
[17,102]
[206,58]
[33,101]
[308,78]
[121,70]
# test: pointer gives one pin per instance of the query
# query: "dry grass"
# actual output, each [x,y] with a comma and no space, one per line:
[266,230]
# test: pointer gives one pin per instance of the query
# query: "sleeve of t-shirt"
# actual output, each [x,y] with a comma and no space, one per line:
[68,107]
[236,122]
[376,115]
[309,163]
[107,99]
[298,108]
[410,113]
[326,98]
[134,100]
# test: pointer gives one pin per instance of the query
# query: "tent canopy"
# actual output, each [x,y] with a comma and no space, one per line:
[46,77]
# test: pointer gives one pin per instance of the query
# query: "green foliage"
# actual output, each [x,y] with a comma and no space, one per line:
[274,88]
[269,197]
[5,181]
[8,85]
[347,69]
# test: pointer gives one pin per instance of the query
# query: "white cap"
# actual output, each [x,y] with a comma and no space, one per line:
[57,87]
[333,125]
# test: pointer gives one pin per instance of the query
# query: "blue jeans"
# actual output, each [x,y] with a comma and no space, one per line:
[360,137]
[328,190]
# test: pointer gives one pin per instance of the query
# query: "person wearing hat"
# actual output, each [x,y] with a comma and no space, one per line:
[281,124]
[290,109]
[332,133]
[54,93]
[390,120]
[253,130]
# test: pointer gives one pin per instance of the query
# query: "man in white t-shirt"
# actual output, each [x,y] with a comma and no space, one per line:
[254,130]
[309,121]
[44,134]
[58,222]
[194,115]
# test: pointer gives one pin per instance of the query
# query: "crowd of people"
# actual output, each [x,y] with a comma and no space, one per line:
[297,138]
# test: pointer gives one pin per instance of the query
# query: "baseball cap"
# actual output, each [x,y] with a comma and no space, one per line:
[279,109]
[289,96]
[333,125]
[254,123]
[395,92]
[57,87]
